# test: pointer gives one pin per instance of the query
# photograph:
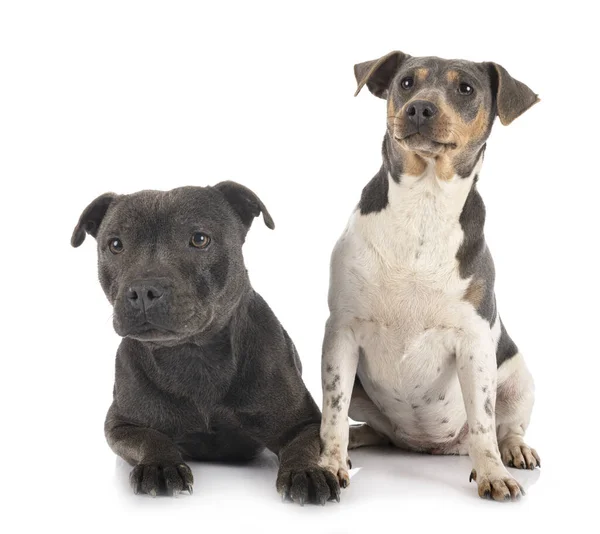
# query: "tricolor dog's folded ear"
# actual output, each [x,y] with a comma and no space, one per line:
[378,73]
[245,203]
[91,218]
[513,98]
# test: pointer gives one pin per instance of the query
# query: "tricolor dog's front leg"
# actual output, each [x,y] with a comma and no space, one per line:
[340,360]
[477,373]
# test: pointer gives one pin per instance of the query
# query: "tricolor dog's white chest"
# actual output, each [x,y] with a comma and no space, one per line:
[395,276]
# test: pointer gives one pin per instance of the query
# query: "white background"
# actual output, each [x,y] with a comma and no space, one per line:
[121,96]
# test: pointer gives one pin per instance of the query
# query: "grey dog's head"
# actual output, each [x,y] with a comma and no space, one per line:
[440,108]
[170,262]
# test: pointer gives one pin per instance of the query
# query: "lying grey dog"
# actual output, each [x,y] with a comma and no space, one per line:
[205,370]
[414,346]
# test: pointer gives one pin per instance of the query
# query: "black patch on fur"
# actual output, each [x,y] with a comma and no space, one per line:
[472,220]
[475,260]
[336,402]
[506,346]
[488,406]
[333,384]
[374,197]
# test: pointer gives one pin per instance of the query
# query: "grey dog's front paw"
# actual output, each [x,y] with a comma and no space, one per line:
[313,485]
[157,479]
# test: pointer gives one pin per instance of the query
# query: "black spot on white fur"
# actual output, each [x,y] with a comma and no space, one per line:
[488,406]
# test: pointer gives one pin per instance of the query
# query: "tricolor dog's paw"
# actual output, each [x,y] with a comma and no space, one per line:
[158,479]
[516,453]
[339,467]
[314,485]
[497,486]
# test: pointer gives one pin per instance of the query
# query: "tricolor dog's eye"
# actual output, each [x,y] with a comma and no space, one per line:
[407,82]
[465,89]
[199,240]
[115,245]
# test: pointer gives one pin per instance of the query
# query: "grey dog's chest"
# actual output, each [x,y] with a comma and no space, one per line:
[176,392]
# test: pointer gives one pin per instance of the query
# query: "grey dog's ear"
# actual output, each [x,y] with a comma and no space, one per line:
[91,218]
[378,73]
[245,203]
[513,98]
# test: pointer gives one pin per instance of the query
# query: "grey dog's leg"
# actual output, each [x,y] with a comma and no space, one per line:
[299,472]
[158,465]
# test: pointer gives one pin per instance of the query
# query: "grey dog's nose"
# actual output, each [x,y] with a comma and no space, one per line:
[144,294]
[420,111]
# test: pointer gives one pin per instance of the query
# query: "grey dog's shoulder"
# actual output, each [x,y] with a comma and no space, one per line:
[259,330]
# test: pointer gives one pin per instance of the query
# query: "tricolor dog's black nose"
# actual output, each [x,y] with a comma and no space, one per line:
[144,294]
[420,111]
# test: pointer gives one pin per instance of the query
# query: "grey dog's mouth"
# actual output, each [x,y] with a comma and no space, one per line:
[149,331]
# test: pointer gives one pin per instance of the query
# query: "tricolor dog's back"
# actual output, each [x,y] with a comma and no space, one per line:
[414,345]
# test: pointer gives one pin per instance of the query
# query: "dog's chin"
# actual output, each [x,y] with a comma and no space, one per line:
[155,336]
[424,146]
[148,332]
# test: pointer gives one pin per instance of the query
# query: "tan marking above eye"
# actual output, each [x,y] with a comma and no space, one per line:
[421,74]
[452,76]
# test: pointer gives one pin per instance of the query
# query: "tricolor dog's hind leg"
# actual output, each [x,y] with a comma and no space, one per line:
[514,403]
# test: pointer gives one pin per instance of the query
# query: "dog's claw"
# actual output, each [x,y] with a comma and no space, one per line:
[473,476]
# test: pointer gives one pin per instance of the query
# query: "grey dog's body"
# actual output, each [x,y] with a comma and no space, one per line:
[205,370]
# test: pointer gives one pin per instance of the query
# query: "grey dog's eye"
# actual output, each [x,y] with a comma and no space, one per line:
[465,89]
[115,245]
[199,240]
[407,82]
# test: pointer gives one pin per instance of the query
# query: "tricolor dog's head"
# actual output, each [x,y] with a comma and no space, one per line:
[170,262]
[443,109]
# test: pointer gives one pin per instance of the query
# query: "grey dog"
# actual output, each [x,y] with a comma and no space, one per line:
[205,370]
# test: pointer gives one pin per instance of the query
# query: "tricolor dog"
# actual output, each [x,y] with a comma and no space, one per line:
[414,346]
[205,370]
